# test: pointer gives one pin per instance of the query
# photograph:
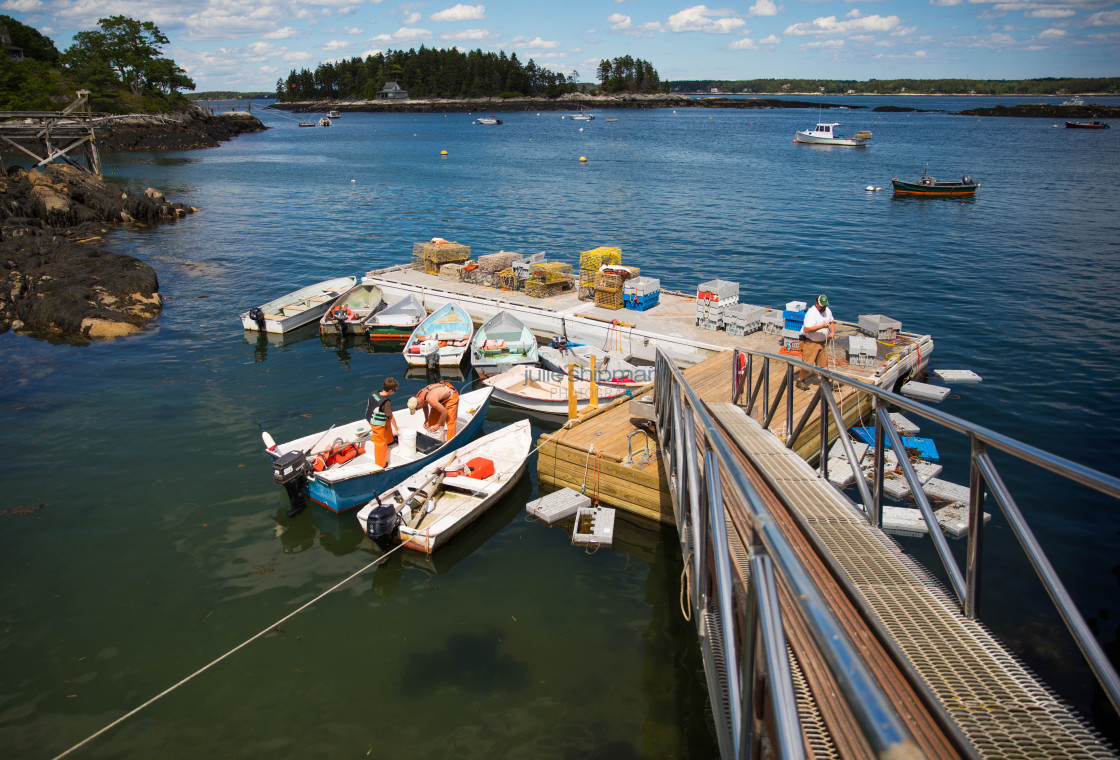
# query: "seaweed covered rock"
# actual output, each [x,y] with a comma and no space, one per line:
[182,130]
[55,282]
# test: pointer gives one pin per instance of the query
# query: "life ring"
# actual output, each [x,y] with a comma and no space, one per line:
[741,367]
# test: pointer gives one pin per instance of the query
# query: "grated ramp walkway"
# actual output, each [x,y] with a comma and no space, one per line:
[998,704]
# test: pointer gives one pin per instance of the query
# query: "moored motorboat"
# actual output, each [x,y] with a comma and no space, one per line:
[347,314]
[488,120]
[501,342]
[350,476]
[611,369]
[545,391]
[324,122]
[581,116]
[928,186]
[445,335]
[436,503]
[299,307]
[825,134]
[333,114]
[1087,125]
[397,321]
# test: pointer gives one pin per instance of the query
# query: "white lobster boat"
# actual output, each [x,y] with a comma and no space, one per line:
[825,134]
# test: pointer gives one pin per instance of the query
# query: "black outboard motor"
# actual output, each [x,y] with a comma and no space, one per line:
[291,471]
[381,523]
[340,322]
[257,315]
[559,342]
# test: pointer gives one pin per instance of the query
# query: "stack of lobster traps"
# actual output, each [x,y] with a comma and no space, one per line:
[549,278]
[590,262]
[432,255]
[491,266]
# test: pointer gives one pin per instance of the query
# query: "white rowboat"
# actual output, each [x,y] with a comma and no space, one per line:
[299,307]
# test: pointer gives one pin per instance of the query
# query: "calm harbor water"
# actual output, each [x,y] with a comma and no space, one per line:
[163,543]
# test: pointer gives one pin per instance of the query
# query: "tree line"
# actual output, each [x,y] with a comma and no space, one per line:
[436,73]
[120,63]
[1042,86]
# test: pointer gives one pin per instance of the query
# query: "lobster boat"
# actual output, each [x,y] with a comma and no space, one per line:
[825,133]
[397,321]
[336,468]
[299,307]
[930,186]
[502,342]
[442,339]
[1087,125]
[347,315]
[433,505]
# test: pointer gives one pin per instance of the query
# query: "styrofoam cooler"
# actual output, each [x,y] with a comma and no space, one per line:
[878,326]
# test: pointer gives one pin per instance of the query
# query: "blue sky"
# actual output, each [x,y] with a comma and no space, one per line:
[249,44]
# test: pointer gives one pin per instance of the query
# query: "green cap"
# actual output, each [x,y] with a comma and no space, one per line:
[822,300]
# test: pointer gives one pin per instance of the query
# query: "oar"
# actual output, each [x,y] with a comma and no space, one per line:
[434,481]
[308,451]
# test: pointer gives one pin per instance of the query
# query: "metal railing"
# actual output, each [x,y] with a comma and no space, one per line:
[983,476]
[725,618]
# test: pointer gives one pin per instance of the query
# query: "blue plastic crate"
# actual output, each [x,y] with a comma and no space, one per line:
[641,303]
[923,447]
[798,316]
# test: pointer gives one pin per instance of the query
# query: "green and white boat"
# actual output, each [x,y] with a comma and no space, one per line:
[931,186]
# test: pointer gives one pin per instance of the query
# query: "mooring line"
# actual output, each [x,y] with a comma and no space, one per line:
[243,644]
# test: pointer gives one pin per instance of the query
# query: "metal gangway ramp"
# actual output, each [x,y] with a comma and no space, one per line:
[820,637]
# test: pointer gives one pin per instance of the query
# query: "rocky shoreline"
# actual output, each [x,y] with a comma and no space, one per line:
[58,283]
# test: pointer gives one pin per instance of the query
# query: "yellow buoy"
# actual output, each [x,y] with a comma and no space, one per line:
[583,159]
[443,152]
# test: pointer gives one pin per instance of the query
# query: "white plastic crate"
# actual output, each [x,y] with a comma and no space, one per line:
[557,505]
[773,322]
[641,286]
[862,351]
[720,291]
[593,525]
[796,306]
[878,326]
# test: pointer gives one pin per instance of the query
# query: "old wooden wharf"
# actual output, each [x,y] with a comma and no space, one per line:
[67,136]
[819,636]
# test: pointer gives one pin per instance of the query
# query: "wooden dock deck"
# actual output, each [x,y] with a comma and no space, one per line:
[603,455]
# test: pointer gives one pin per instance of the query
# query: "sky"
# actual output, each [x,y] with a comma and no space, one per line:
[246,45]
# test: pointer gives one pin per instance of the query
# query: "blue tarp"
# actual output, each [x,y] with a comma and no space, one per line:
[923,447]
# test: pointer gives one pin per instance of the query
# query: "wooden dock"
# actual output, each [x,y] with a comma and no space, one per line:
[604,454]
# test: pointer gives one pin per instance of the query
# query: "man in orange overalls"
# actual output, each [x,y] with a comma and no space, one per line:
[379,412]
[440,404]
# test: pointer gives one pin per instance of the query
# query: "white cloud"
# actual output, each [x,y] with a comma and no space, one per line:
[536,42]
[1051,34]
[333,45]
[280,34]
[22,6]
[744,44]
[763,8]
[1105,18]
[467,35]
[701,18]
[853,24]
[622,23]
[404,34]
[825,44]
[772,39]
[411,17]
[1051,13]
[460,13]
[946,2]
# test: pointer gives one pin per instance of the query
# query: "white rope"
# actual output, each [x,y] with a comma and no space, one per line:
[243,644]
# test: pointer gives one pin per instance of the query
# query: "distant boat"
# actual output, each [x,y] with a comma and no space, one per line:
[296,308]
[324,122]
[445,333]
[1087,125]
[1076,100]
[581,116]
[929,186]
[334,114]
[307,124]
[488,120]
[396,322]
[346,315]
[825,134]
[501,342]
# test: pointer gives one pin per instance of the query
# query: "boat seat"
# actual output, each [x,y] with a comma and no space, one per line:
[320,299]
[288,310]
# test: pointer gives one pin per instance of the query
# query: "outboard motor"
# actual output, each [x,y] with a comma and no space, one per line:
[291,470]
[381,523]
[559,342]
[339,317]
[257,315]
[967,179]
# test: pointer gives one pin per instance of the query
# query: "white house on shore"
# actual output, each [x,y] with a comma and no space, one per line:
[392,91]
